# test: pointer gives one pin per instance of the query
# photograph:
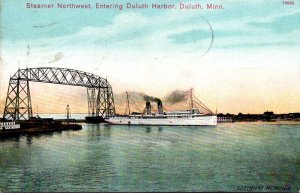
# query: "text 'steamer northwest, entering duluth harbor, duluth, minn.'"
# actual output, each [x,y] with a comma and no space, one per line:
[180,6]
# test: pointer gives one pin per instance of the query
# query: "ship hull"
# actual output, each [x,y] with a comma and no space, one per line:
[188,121]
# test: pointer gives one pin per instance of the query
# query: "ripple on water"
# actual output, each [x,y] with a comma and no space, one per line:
[137,158]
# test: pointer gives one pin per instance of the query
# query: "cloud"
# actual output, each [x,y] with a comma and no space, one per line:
[45,25]
[191,36]
[178,31]
[282,24]
[58,56]
[121,26]
[138,31]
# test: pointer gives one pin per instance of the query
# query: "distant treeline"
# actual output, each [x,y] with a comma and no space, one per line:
[266,116]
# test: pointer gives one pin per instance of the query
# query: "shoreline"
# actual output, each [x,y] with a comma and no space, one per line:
[279,122]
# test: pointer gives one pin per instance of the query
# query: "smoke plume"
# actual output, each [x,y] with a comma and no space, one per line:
[151,98]
[177,96]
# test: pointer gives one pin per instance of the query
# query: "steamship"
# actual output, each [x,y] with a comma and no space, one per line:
[190,117]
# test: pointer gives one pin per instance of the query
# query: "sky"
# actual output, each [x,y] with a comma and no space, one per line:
[243,58]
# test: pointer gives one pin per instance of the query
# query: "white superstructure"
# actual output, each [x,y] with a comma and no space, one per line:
[175,119]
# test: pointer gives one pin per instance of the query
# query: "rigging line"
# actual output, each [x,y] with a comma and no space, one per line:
[166,108]
[135,106]
[132,102]
[203,104]
[197,99]
[154,108]
[200,105]
[125,110]
[204,107]
[144,111]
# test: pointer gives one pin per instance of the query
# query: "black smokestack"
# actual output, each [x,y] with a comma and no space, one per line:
[148,108]
[159,103]
[160,107]
[177,96]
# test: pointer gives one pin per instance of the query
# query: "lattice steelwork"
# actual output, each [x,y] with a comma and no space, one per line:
[18,101]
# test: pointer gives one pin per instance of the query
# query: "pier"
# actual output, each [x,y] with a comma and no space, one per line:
[18,115]
[37,126]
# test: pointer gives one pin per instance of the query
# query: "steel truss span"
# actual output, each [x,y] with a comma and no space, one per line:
[18,101]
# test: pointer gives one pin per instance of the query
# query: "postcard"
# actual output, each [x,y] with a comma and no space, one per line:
[149,96]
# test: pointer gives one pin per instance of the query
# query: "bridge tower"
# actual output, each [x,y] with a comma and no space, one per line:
[18,100]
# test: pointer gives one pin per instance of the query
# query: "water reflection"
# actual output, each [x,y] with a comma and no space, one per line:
[97,130]
[148,129]
[107,130]
[94,166]
[94,131]
[13,138]
[29,139]
[134,128]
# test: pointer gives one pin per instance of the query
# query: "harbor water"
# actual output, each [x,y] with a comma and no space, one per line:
[227,157]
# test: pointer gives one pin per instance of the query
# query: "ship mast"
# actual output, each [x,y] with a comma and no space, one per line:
[191,98]
[128,103]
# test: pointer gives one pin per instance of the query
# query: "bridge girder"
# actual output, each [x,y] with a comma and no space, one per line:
[18,101]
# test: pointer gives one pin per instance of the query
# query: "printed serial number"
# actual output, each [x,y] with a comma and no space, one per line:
[288,2]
